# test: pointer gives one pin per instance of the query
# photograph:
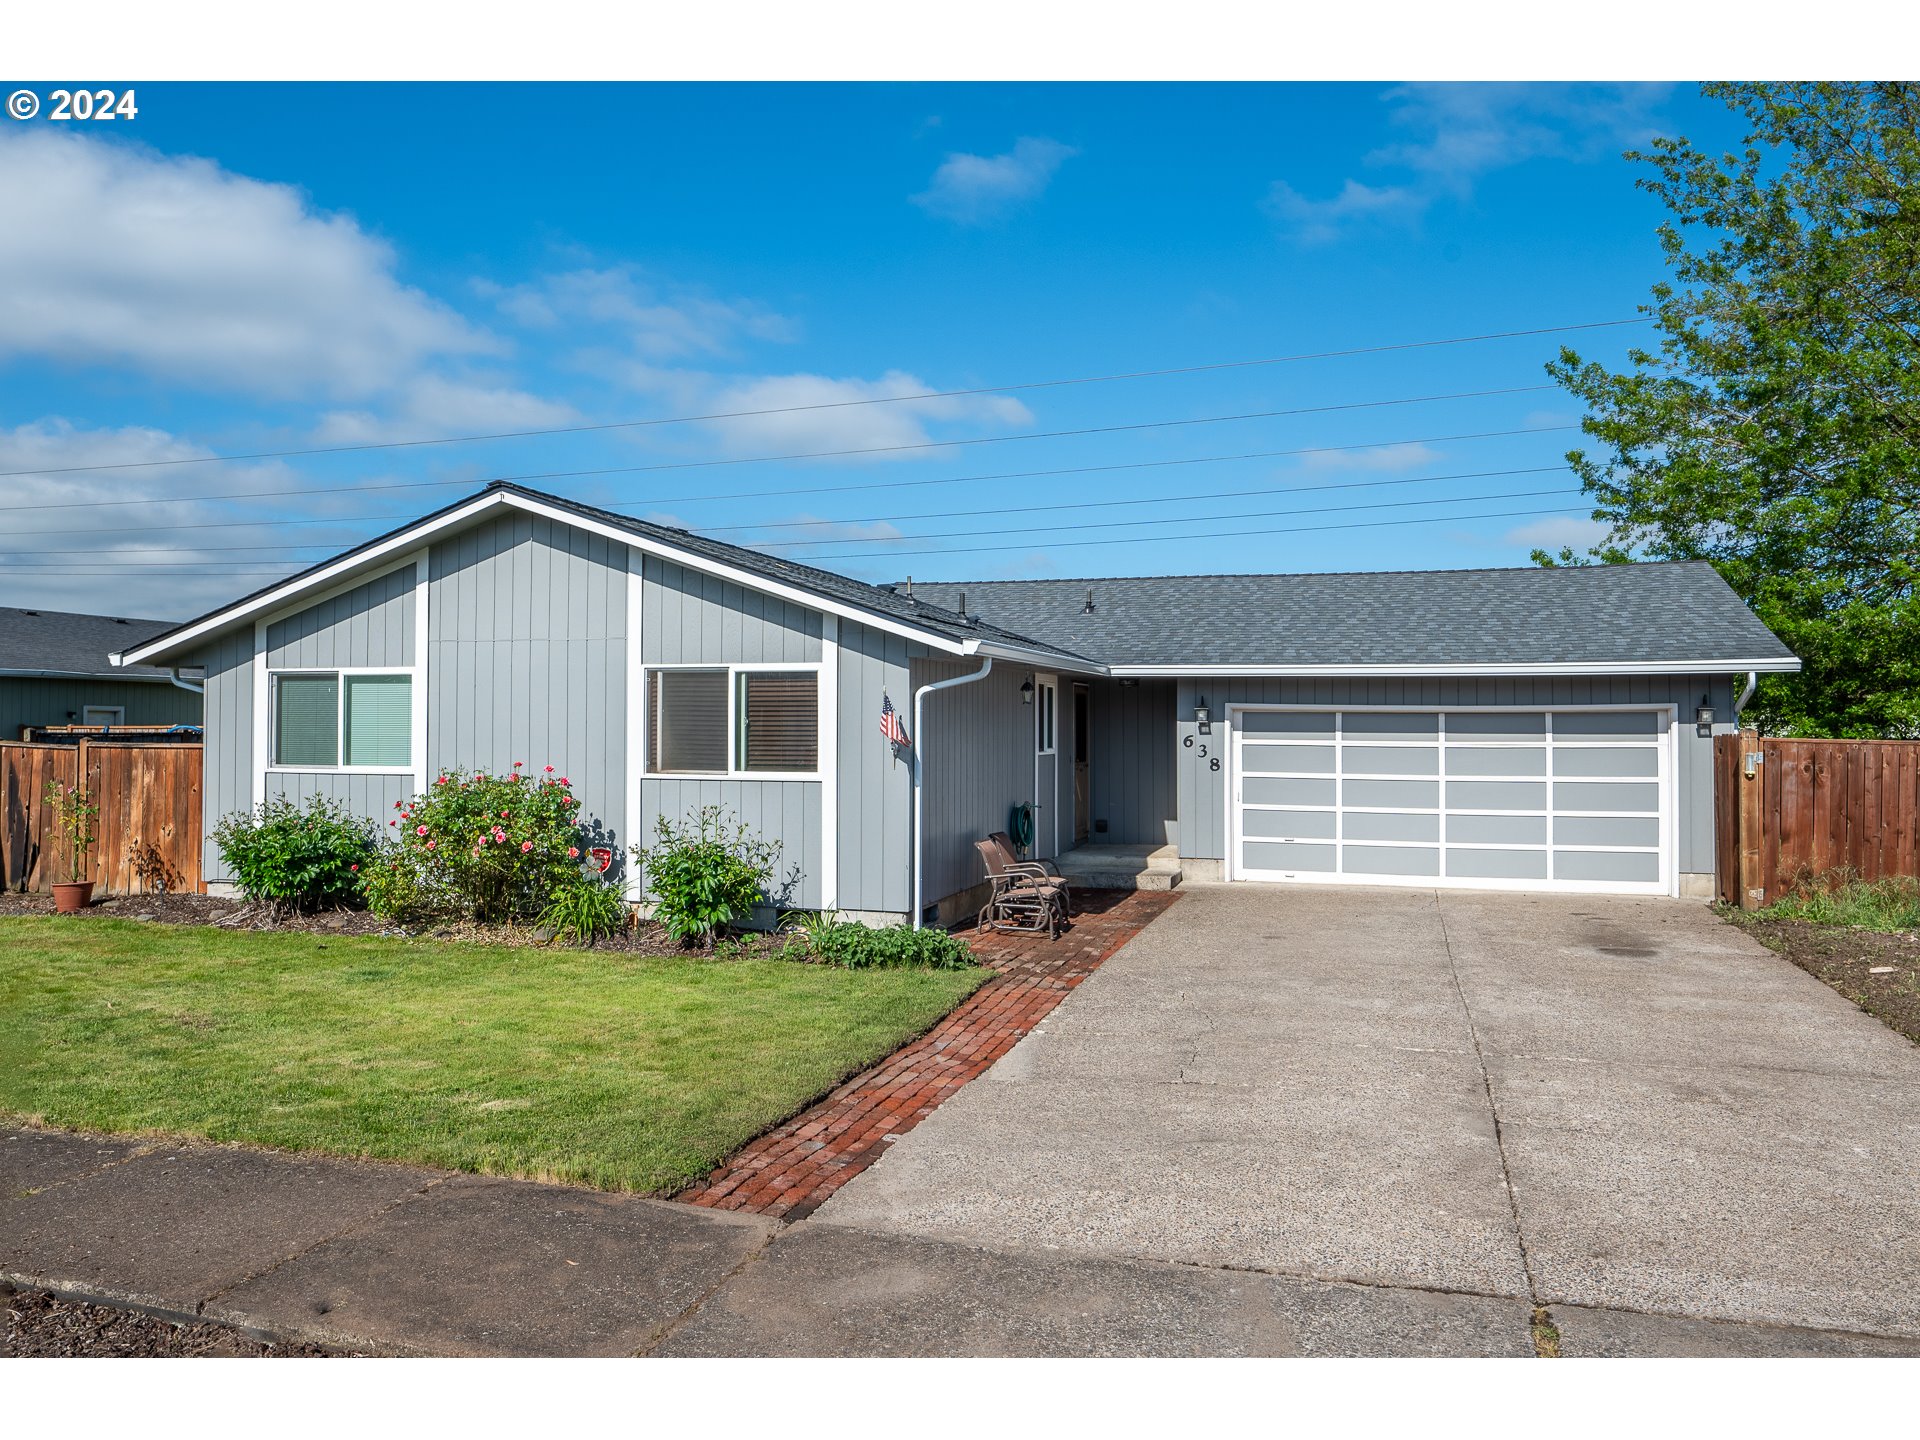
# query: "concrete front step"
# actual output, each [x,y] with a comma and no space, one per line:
[1122,867]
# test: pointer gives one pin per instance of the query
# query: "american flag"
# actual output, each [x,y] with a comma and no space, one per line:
[890,725]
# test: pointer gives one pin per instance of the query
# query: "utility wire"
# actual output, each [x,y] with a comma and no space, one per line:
[864,520]
[811,454]
[769,494]
[832,404]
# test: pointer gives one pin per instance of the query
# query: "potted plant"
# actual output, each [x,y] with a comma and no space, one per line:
[73,816]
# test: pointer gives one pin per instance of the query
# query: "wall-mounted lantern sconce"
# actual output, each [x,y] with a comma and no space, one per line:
[1703,717]
[1026,691]
[1202,716]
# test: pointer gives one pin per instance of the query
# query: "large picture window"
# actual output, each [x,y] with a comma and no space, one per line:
[327,720]
[733,721]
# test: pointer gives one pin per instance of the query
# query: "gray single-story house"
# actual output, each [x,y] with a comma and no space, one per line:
[57,668]
[1525,729]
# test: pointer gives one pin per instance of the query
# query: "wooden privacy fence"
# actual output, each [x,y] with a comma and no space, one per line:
[1788,811]
[149,822]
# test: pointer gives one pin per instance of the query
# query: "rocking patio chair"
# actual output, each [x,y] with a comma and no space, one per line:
[1048,871]
[1024,900]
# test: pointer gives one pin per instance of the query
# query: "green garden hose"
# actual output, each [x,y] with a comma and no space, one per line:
[1020,825]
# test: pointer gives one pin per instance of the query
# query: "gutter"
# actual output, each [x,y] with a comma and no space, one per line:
[919,752]
[173,676]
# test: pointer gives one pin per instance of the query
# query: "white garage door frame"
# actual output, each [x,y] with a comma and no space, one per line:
[1665,745]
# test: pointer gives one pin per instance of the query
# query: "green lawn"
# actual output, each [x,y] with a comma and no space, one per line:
[569,1065]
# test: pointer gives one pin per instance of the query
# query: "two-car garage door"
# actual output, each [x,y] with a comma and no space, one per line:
[1565,799]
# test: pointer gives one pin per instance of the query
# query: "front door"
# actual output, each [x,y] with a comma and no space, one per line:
[1082,796]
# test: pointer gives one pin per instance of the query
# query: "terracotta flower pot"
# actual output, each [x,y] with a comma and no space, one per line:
[72,898]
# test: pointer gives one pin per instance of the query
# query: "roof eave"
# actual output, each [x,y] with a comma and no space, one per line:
[1773,666]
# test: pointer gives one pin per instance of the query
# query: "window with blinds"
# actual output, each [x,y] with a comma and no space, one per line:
[778,720]
[688,721]
[306,720]
[379,714]
[329,720]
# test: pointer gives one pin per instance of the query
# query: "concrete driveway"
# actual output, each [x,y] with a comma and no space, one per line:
[1620,1110]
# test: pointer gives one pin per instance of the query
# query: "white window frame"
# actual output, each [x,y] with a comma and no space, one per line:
[118,712]
[733,673]
[1046,715]
[341,673]
[1665,745]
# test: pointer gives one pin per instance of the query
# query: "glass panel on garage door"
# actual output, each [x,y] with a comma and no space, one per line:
[1563,799]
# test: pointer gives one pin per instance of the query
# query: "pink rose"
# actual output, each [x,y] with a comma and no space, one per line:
[354,868]
[518,763]
[419,829]
[483,840]
[549,769]
[432,843]
[396,804]
[393,822]
[565,781]
[525,845]
[573,852]
[503,814]
[441,781]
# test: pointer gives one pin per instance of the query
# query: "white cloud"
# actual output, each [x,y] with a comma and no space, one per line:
[115,255]
[1379,459]
[1556,531]
[1456,133]
[973,189]
[434,405]
[659,322]
[1315,222]
[81,547]
[821,413]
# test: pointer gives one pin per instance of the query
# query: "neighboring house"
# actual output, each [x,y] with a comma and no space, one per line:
[55,669]
[1522,729]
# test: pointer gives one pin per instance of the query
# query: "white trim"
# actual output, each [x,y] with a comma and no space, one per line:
[421,631]
[636,756]
[262,713]
[829,762]
[1046,680]
[1665,744]
[353,570]
[1492,670]
[108,676]
[734,670]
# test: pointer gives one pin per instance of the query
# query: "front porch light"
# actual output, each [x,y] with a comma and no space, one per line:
[1026,691]
[1202,716]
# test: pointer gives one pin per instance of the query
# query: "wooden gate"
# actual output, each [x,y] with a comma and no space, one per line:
[1790,811]
[149,822]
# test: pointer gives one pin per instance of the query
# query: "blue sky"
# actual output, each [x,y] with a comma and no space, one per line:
[251,268]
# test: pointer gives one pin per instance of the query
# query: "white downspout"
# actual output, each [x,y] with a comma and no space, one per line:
[919,753]
[173,674]
[1753,683]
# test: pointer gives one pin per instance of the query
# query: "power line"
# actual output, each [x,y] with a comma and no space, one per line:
[793,490]
[282,573]
[215,567]
[876,519]
[812,454]
[831,404]
[1221,534]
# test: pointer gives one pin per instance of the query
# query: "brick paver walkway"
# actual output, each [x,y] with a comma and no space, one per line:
[791,1170]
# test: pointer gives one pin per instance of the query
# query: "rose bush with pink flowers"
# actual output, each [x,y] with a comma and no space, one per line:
[488,847]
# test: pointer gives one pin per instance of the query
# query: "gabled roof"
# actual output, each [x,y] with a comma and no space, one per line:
[59,643]
[877,605]
[1675,616]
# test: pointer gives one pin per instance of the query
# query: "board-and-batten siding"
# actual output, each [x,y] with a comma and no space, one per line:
[226,781]
[1203,792]
[876,789]
[689,618]
[363,794]
[527,660]
[38,701]
[979,747]
[1131,764]
[370,625]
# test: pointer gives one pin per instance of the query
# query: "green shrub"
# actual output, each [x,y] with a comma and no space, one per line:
[307,859]
[489,847]
[1844,899]
[584,909]
[853,946]
[704,874]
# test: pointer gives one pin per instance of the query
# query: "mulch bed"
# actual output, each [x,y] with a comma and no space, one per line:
[42,1326]
[1846,959]
[644,938]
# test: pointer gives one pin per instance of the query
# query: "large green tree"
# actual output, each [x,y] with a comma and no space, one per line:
[1775,428]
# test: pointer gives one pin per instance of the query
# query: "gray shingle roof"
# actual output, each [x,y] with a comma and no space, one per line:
[1650,613]
[59,642]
